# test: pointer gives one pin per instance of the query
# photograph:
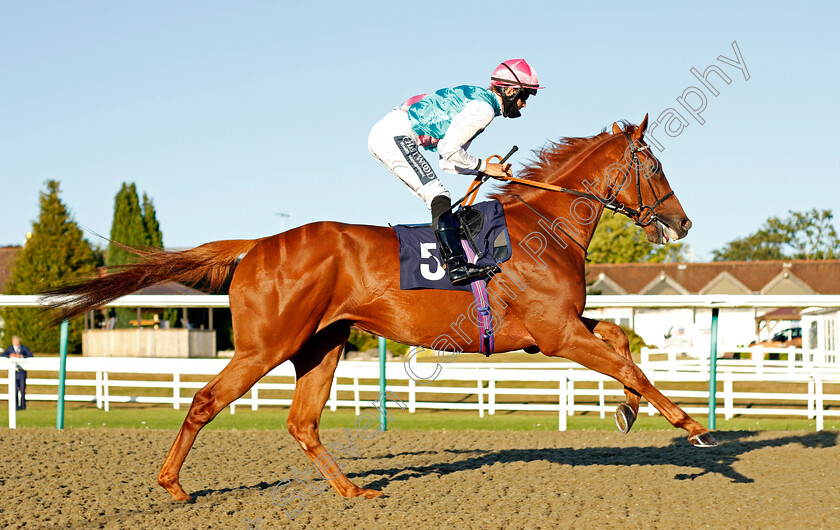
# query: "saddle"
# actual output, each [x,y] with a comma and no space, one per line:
[483,228]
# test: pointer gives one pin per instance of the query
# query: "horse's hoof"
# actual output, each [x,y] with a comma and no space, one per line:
[369,493]
[703,440]
[181,496]
[624,417]
[186,499]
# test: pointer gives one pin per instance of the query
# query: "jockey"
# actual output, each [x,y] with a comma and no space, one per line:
[447,121]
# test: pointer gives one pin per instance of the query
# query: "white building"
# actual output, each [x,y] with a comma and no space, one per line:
[819,329]
[737,327]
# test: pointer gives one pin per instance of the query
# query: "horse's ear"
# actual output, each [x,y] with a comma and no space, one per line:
[640,130]
[616,128]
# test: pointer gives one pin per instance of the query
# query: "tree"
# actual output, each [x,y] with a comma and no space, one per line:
[618,240]
[762,245]
[151,223]
[803,235]
[128,227]
[813,235]
[54,254]
[134,225]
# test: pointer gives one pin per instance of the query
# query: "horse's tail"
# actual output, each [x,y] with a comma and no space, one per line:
[211,262]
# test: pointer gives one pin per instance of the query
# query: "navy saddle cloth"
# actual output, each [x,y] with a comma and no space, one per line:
[482,225]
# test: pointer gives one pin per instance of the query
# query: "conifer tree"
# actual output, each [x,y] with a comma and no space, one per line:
[151,222]
[128,227]
[134,225]
[54,254]
[156,241]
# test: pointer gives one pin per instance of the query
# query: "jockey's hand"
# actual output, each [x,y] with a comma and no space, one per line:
[498,170]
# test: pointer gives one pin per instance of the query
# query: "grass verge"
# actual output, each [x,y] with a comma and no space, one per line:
[137,416]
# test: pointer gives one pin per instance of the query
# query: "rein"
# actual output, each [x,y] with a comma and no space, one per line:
[547,220]
[642,216]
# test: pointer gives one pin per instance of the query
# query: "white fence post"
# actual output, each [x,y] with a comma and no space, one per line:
[570,396]
[255,396]
[105,392]
[645,358]
[791,359]
[601,403]
[357,403]
[10,380]
[412,395]
[176,391]
[563,401]
[480,385]
[758,357]
[818,387]
[491,394]
[98,390]
[728,398]
[334,394]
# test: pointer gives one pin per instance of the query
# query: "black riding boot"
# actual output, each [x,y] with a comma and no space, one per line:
[461,272]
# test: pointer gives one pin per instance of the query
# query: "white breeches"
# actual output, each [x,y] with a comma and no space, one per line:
[393,143]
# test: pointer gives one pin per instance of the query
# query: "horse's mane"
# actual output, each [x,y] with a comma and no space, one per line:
[550,160]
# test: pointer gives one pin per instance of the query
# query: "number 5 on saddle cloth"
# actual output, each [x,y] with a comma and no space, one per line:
[485,239]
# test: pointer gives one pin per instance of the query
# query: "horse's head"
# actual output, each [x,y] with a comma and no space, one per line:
[644,191]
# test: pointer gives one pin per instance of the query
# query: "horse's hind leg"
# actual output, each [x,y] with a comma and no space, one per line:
[627,412]
[231,383]
[315,366]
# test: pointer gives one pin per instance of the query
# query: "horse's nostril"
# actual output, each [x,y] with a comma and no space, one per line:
[686,224]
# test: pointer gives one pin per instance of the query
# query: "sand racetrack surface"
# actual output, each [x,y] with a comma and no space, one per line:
[108,479]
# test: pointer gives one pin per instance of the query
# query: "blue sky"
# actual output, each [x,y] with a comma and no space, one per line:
[229,113]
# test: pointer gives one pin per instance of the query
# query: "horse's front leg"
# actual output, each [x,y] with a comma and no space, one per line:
[575,342]
[627,412]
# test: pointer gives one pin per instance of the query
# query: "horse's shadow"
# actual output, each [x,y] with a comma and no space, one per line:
[716,460]
[205,492]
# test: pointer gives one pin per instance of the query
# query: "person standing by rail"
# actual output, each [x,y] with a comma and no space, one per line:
[18,351]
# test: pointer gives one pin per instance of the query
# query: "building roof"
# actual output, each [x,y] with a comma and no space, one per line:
[7,259]
[783,313]
[729,277]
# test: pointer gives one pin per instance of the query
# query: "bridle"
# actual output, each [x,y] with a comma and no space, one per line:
[643,215]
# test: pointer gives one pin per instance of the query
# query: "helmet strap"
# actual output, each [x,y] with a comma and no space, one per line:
[509,107]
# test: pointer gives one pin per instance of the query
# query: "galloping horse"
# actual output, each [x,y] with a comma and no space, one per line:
[295,296]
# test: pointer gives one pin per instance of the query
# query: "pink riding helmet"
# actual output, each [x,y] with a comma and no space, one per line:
[515,73]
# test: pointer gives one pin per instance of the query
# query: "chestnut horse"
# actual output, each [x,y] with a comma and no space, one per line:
[295,296]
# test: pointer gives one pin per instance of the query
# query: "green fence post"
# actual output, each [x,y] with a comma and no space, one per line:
[62,368]
[383,419]
[713,369]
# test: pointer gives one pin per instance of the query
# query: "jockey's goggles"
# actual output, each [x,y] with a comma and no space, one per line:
[525,92]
